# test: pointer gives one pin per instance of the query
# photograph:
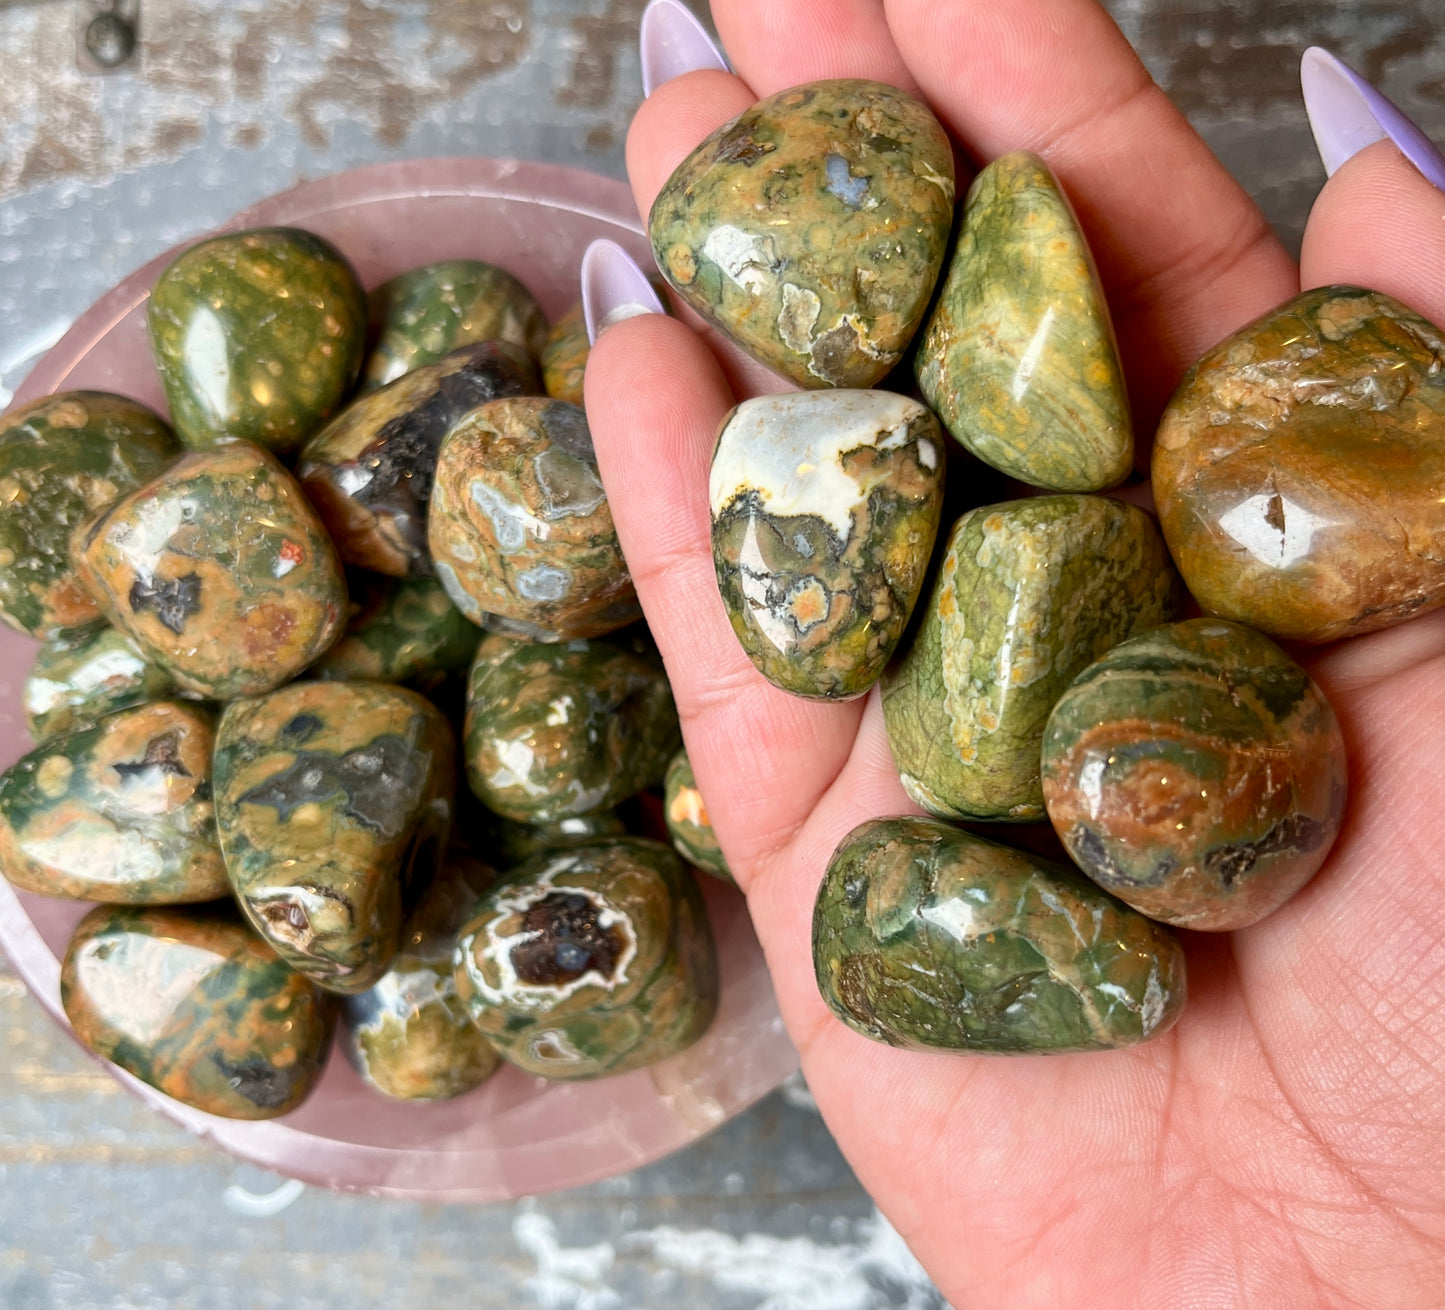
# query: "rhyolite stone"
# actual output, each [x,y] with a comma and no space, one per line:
[1299,468]
[687,819]
[1030,592]
[402,630]
[1197,773]
[333,801]
[1018,358]
[564,357]
[191,1002]
[427,312]
[369,471]
[561,729]
[812,228]
[82,675]
[410,1036]
[258,336]
[64,458]
[119,812]
[508,843]
[590,961]
[520,531]
[931,938]
[825,506]
[220,571]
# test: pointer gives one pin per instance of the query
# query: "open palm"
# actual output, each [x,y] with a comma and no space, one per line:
[1284,1145]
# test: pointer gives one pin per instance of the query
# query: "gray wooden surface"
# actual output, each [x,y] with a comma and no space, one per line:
[101,1202]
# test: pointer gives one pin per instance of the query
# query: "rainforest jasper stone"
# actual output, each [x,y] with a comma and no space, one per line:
[410,1036]
[333,801]
[429,311]
[1299,469]
[401,630]
[1197,773]
[590,961]
[120,812]
[555,730]
[258,336]
[63,458]
[687,820]
[221,572]
[369,472]
[81,676]
[812,227]
[1018,358]
[192,1003]
[564,357]
[520,530]
[928,937]
[825,507]
[1030,593]
[510,842]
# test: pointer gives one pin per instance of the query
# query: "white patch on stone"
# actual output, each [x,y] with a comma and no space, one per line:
[543,582]
[1276,545]
[456,593]
[798,317]
[1033,353]
[746,258]
[208,364]
[511,523]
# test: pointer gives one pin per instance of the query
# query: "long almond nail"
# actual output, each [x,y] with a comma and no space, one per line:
[613,288]
[673,42]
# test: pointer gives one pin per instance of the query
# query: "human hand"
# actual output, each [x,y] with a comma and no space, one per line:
[1284,1144]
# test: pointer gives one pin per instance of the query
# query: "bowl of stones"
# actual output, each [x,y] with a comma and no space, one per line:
[517,1133]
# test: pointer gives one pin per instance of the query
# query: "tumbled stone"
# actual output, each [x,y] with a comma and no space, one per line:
[825,507]
[63,458]
[564,357]
[410,1036]
[402,630]
[192,1003]
[591,961]
[930,938]
[520,531]
[81,676]
[333,801]
[509,843]
[120,812]
[369,471]
[688,824]
[429,311]
[561,729]
[812,228]
[1298,469]
[1197,773]
[221,572]
[1029,594]
[258,336]
[1018,358]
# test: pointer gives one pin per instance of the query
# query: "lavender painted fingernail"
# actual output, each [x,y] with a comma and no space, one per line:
[613,288]
[1347,114]
[673,42]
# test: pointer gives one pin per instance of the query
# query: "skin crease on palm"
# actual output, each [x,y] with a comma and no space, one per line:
[1284,1145]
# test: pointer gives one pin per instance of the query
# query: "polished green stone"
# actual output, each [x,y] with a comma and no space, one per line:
[564,357]
[81,676]
[1299,469]
[64,458]
[520,531]
[1197,773]
[258,336]
[1029,593]
[591,961]
[220,571]
[509,843]
[369,471]
[928,937]
[192,1003]
[333,801]
[561,729]
[410,1036]
[1018,358]
[825,506]
[429,311]
[812,228]
[687,820]
[120,812]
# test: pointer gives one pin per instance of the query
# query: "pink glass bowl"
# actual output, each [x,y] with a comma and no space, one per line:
[516,1135]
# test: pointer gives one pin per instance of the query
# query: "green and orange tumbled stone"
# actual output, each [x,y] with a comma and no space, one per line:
[564,357]
[688,823]
[81,676]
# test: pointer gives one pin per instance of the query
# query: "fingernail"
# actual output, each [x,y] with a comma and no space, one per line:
[1347,114]
[613,288]
[673,42]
